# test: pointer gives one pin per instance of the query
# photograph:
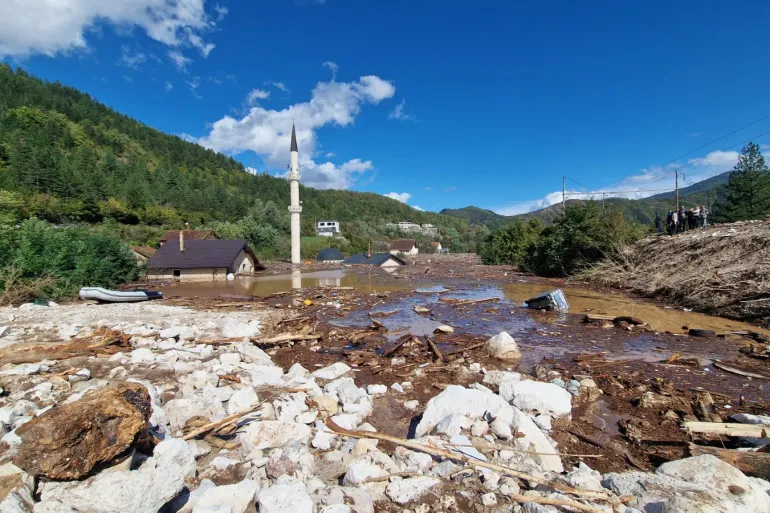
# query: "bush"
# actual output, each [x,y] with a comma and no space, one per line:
[69,257]
[509,244]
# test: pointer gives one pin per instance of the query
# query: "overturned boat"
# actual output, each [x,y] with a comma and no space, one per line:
[553,300]
[118,296]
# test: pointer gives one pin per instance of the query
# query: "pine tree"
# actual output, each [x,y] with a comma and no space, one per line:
[747,194]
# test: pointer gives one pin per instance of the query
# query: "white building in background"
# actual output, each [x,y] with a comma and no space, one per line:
[294,207]
[410,227]
[327,228]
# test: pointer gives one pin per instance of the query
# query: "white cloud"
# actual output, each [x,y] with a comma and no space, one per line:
[132,60]
[648,182]
[278,85]
[267,132]
[400,113]
[418,208]
[169,86]
[221,12]
[333,67]
[193,85]
[256,94]
[51,27]
[330,155]
[403,197]
[179,60]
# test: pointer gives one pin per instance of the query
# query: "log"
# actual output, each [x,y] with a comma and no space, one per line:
[434,348]
[729,429]
[755,464]
[436,451]
[399,342]
[739,372]
[291,337]
[589,318]
[469,348]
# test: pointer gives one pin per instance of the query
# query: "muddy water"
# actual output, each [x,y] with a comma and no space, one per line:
[370,281]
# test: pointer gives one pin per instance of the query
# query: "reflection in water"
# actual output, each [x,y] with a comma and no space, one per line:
[369,281]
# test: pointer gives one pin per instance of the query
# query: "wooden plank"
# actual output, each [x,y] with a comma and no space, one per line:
[755,464]
[739,372]
[729,429]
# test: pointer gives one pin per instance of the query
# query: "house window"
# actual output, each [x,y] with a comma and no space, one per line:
[177,273]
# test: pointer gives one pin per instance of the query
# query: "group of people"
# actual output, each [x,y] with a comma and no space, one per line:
[682,220]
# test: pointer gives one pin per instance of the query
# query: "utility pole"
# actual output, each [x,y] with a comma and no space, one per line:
[676,189]
[563,193]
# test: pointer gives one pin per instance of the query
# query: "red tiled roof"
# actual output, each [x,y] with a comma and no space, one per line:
[145,251]
[402,244]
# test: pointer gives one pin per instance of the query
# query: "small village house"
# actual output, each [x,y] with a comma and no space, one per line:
[403,246]
[384,260]
[202,260]
[173,235]
[330,256]
[327,228]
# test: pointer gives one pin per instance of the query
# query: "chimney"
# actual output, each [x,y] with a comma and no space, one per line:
[181,241]
[369,253]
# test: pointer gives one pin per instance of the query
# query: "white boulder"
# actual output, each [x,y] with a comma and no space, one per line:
[241,400]
[532,396]
[233,328]
[333,371]
[459,401]
[270,434]
[536,441]
[235,498]
[405,490]
[284,498]
[503,346]
[145,490]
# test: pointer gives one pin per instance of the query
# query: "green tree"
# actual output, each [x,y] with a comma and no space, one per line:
[509,245]
[747,193]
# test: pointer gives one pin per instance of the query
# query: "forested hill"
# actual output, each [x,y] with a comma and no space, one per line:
[640,211]
[66,158]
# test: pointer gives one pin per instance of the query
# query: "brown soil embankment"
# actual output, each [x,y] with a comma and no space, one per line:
[723,270]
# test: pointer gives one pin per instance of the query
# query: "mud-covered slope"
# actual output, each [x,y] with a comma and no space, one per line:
[724,270]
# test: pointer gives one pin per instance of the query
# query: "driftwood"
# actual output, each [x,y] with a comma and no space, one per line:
[434,348]
[291,337]
[752,463]
[220,423]
[436,451]
[729,429]
[739,372]
[460,302]
[403,339]
[469,348]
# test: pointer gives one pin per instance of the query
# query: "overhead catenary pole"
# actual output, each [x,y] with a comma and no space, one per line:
[676,189]
[563,193]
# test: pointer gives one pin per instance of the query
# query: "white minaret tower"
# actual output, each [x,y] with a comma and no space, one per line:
[294,207]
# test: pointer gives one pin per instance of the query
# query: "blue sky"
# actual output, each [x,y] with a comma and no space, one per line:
[440,104]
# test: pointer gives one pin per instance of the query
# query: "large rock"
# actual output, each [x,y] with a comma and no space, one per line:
[536,441]
[235,498]
[503,346]
[179,411]
[531,396]
[234,328]
[458,401]
[16,489]
[285,498]
[270,434]
[67,442]
[242,400]
[406,490]
[333,371]
[145,490]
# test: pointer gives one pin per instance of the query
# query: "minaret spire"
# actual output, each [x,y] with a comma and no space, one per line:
[295,208]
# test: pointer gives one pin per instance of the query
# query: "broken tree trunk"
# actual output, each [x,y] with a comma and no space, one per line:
[729,429]
[400,341]
[755,464]
[434,348]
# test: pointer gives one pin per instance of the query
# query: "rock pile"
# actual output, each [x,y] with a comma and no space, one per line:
[184,426]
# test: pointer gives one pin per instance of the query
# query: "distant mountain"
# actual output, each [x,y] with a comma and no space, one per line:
[641,211]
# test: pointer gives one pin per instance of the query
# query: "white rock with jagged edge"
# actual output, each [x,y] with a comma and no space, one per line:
[532,396]
[334,371]
[242,400]
[458,400]
[285,498]
[145,490]
[535,441]
[269,434]
[235,498]
[503,347]
[405,490]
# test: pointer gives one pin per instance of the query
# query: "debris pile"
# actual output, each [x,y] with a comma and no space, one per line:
[178,421]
